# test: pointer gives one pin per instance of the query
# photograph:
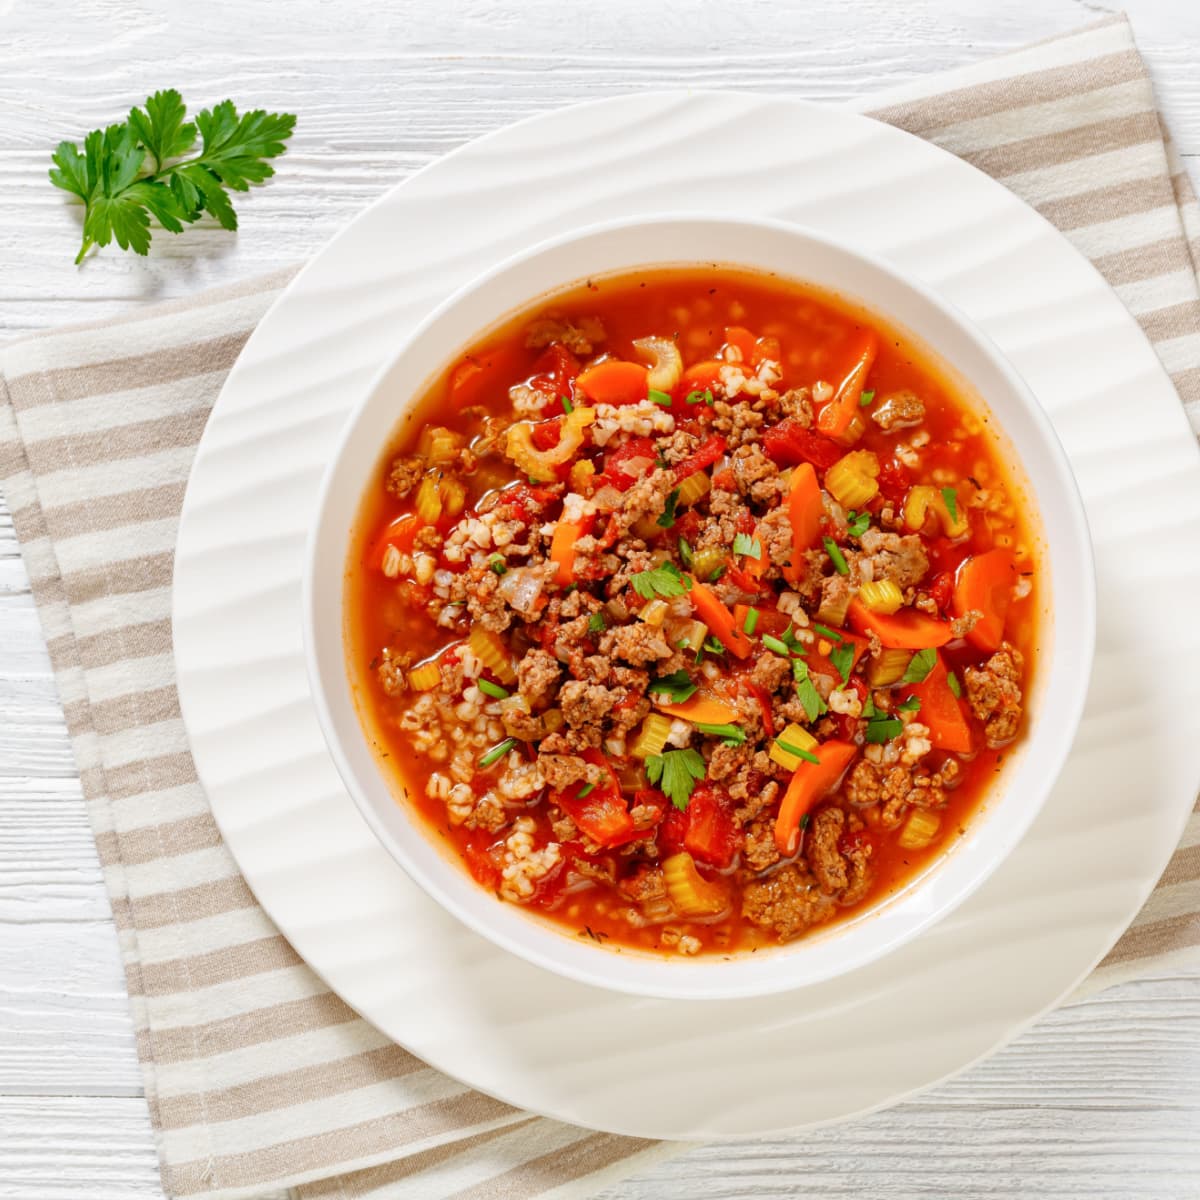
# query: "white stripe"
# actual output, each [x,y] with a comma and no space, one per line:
[1179,354]
[218,932]
[181,870]
[98,480]
[113,548]
[106,614]
[131,675]
[165,805]
[1125,233]
[1146,295]
[146,741]
[1060,181]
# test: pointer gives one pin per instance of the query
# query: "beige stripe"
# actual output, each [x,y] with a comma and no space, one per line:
[1144,262]
[181,430]
[1164,323]
[1184,867]
[119,645]
[179,1044]
[125,374]
[305,1156]
[189,904]
[144,574]
[134,710]
[273,1092]
[1054,149]
[591,1153]
[1187,384]
[111,512]
[1108,203]
[1037,87]
[1155,937]
[150,775]
[152,842]
[218,966]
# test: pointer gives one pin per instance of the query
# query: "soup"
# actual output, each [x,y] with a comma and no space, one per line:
[696,614]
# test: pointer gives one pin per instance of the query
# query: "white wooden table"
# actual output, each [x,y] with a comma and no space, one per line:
[1101,1099]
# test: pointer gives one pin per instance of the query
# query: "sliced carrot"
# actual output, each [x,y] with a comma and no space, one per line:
[398,532]
[984,584]
[834,419]
[479,374]
[741,339]
[942,711]
[719,620]
[907,629]
[562,550]
[700,708]
[811,783]
[820,664]
[699,377]
[805,509]
[614,381]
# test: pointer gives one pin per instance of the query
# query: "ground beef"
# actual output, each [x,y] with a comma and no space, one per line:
[680,445]
[646,883]
[638,644]
[759,850]
[526,726]
[787,901]
[773,672]
[901,559]
[586,704]
[392,671]
[797,404]
[899,410]
[538,675]
[890,790]
[405,473]
[821,850]
[581,338]
[811,577]
[757,477]
[775,533]
[836,594]
[561,770]
[963,625]
[994,693]
[738,423]
[728,761]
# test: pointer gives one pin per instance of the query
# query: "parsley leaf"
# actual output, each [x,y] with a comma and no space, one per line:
[835,556]
[597,623]
[866,398]
[912,704]
[857,523]
[713,646]
[567,406]
[664,580]
[806,691]
[678,685]
[127,173]
[842,657]
[951,498]
[883,729]
[676,773]
[955,686]
[731,735]
[668,514]
[919,666]
[791,641]
[745,545]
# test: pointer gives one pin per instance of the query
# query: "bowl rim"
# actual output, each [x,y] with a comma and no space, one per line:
[674,976]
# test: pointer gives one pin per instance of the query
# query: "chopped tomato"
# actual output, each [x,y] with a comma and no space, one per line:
[704,456]
[602,813]
[635,448]
[789,443]
[712,836]
[546,434]
[942,589]
[671,831]
[554,372]
[894,481]
[480,377]
[763,699]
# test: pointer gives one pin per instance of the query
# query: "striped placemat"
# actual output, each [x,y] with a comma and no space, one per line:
[259,1079]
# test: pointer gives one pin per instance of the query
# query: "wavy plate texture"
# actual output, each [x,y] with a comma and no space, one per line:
[702,1069]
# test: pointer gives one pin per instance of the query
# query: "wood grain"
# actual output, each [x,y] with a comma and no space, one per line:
[1099,1099]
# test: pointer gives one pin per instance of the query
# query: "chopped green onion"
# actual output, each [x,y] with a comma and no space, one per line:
[678,685]
[488,688]
[704,397]
[731,735]
[773,643]
[955,686]
[796,752]
[951,498]
[857,523]
[568,407]
[497,563]
[912,704]
[685,554]
[496,753]
[657,397]
[585,790]
[866,398]
[597,623]
[714,646]
[825,631]
[751,622]
[836,556]
[668,513]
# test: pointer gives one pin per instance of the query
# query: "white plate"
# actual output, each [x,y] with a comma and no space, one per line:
[700,1069]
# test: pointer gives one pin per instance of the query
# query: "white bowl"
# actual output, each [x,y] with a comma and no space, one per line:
[1067,586]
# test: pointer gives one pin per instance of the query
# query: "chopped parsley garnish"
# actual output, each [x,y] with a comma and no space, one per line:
[568,407]
[825,631]
[497,563]
[866,398]
[731,735]
[750,624]
[586,790]
[657,397]
[796,752]
[685,554]
[912,704]
[676,773]
[668,513]
[745,545]
[496,753]
[806,691]
[597,623]
[842,657]
[663,580]
[704,397]
[951,498]
[678,685]
[919,666]
[836,556]
[714,646]
[789,639]
[955,686]
[488,688]
[773,643]
[883,729]
[857,523]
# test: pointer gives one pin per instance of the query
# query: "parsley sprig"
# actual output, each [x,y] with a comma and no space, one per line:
[664,580]
[137,169]
[676,772]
